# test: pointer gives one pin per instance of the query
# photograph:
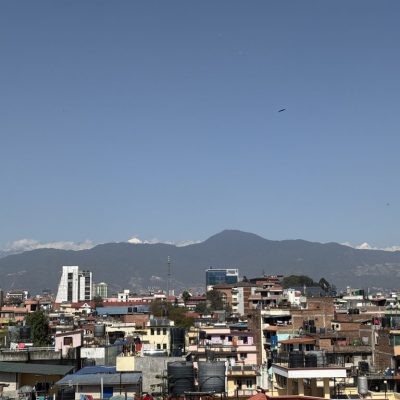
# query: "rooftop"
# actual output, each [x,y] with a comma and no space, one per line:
[126,378]
[38,369]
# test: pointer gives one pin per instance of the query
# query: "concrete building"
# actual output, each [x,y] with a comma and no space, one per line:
[74,285]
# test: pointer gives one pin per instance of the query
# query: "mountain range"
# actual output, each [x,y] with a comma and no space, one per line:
[138,266]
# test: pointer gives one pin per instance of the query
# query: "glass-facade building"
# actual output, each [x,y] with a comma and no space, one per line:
[216,276]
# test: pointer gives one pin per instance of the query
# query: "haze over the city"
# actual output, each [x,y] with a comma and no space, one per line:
[160,121]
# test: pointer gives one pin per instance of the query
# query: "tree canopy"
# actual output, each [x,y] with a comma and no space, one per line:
[215,300]
[161,309]
[303,280]
[39,324]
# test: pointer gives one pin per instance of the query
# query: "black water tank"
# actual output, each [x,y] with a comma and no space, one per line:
[25,332]
[296,359]
[363,366]
[177,341]
[310,361]
[180,377]
[99,330]
[212,376]
[88,362]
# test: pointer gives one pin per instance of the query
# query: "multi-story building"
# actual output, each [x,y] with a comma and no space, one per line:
[218,276]
[74,285]
[236,348]
[101,289]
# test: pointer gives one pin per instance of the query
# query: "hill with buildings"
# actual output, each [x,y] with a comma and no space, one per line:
[136,266]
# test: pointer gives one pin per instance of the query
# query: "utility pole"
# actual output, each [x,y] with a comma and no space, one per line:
[169,276]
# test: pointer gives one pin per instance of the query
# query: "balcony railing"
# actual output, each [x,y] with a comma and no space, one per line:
[308,359]
[242,370]
[246,392]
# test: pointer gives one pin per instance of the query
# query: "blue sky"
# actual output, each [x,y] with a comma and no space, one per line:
[159,119]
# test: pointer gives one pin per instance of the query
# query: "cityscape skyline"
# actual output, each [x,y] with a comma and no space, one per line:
[162,121]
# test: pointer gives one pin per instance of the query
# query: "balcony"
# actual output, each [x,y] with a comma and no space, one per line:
[215,348]
[242,370]
[299,365]
[307,359]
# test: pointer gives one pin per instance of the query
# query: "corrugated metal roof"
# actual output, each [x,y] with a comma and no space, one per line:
[297,340]
[125,378]
[97,369]
[122,310]
[38,369]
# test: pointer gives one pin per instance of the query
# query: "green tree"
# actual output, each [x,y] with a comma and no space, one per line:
[162,309]
[39,323]
[325,285]
[186,297]
[201,308]
[298,281]
[98,301]
[215,300]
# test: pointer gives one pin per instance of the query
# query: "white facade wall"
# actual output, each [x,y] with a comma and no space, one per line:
[69,275]
[240,300]
[82,287]
[76,279]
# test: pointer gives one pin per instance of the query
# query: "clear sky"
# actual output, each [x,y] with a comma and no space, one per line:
[160,119]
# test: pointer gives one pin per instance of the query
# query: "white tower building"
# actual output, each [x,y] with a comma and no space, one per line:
[74,285]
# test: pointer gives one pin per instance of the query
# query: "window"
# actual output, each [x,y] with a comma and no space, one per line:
[158,331]
[68,341]
[243,355]
[152,331]
[249,384]
[164,346]
[164,331]
[158,346]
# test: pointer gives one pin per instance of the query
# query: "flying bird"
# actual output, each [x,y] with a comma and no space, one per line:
[282,109]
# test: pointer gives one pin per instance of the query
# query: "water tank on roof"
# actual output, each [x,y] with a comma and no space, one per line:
[363,366]
[88,362]
[310,361]
[362,385]
[177,341]
[25,332]
[296,359]
[180,377]
[312,329]
[212,376]
[321,361]
[99,330]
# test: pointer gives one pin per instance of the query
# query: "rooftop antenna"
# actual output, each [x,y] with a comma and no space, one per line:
[169,276]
